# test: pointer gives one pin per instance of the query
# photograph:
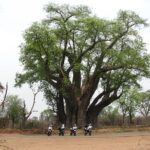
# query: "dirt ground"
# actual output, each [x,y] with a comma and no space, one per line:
[104,141]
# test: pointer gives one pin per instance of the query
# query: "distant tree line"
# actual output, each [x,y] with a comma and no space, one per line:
[133,108]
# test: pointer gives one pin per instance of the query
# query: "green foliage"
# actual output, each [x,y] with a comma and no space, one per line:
[66,32]
[129,100]
[128,103]
[14,108]
[109,115]
[72,46]
[77,67]
[143,106]
[46,115]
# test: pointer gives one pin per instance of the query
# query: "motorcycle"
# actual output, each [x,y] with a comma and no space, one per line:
[61,132]
[88,130]
[73,131]
[49,132]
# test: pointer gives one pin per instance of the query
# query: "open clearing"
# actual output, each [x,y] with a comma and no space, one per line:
[104,141]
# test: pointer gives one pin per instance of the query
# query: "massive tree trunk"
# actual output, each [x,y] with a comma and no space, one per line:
[60,109]
[69,114]
[79,110]
[81,117]
[71,111]
[130,118]
[76,115]
[94,109]
[92,115]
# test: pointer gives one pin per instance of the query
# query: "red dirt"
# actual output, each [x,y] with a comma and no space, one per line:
[103,141]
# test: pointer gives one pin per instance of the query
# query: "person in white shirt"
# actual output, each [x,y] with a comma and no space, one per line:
[50,127]
[63,126]
[74,127]
[73,130]
[88,129]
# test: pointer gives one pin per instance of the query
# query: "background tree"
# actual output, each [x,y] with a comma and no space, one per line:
[14,109]
[2,101]
[85,61]
[123,108]
[109,115]
[1,87]
[128,104]
[143,106]
[47,115]
[26,114]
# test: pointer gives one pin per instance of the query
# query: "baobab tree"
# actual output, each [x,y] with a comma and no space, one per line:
[83,61]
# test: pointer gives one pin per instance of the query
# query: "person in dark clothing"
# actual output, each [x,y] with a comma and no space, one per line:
[62,130]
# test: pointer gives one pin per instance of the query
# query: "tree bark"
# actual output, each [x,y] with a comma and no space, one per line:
[60,109]
[130,118]
[123,119]
[13,123]
[92,116]
[81,117]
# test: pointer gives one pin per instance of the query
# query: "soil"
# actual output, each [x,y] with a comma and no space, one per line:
[103,141]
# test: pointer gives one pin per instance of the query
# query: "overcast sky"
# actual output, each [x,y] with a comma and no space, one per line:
[18,15]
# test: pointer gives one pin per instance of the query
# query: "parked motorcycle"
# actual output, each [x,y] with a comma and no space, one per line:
[49,132]
[61,132]
[73,131]
[88,130]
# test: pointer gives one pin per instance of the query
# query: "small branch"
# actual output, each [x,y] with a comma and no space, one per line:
[3,101]
[34,98]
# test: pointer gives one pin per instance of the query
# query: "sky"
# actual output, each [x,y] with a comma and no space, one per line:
[18,15]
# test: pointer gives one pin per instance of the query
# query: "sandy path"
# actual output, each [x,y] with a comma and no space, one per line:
[111,141]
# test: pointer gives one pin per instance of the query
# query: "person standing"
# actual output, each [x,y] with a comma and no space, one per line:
[62,130]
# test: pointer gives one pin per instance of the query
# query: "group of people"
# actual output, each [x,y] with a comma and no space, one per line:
[73,130]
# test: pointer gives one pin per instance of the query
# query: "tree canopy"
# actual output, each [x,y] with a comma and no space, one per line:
[144,103]
[83,61]
[14,108]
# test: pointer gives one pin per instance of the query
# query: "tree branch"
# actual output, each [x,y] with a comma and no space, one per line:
[3,102]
